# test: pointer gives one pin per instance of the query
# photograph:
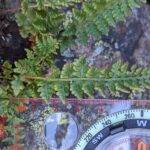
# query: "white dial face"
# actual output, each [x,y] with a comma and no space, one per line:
[118,126]
[135,139]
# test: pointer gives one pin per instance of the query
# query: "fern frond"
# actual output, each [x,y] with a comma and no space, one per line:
[81,78]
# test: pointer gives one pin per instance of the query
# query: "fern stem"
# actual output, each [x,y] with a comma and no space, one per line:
[86,79]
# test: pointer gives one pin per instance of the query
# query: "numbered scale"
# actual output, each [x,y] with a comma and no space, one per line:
[123,130]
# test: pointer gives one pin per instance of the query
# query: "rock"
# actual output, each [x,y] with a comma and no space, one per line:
[142,52]
[68,53]
[95,53]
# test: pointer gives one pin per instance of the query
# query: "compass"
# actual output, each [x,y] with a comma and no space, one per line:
[123,130]
[99,125]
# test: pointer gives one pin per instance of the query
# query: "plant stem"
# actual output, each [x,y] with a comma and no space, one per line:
[84,79]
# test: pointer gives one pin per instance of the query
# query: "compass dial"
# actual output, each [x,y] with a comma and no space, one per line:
[124,130]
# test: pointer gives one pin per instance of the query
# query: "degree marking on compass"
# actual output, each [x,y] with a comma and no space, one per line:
[94,126]
[116,115]
[142,113]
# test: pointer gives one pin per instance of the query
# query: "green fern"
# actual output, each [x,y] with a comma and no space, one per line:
[41,55]
[92,18]
[116,78]
[98,16]
[79,78]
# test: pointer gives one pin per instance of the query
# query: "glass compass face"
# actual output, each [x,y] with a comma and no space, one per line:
[60,131]
[134,139]
[123,130]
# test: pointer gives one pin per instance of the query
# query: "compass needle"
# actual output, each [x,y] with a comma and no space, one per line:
[142,146]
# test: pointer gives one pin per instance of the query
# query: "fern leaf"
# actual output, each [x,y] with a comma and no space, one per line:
[88,88]
[92,29]
[80,67]
[119,13]
[47,45]
[62,89]
[82,36]
[40,25]
[67,71]
[76,89]
[93,73]
[79,15]
[17,85]
[88,8]
[24,6]
[123,7]
[101,89]
[132,3]
[112,89]
[27,67]
[45,89]
[121,88]
[109,18]
[7,69]
[133,86]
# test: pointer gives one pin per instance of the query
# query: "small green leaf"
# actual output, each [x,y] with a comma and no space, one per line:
[17,85]
[101,89]
[121,88]
[67,71]
[45,89]
[80,67]
[88,88]
[7,69]
[76,89]
[62,89]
